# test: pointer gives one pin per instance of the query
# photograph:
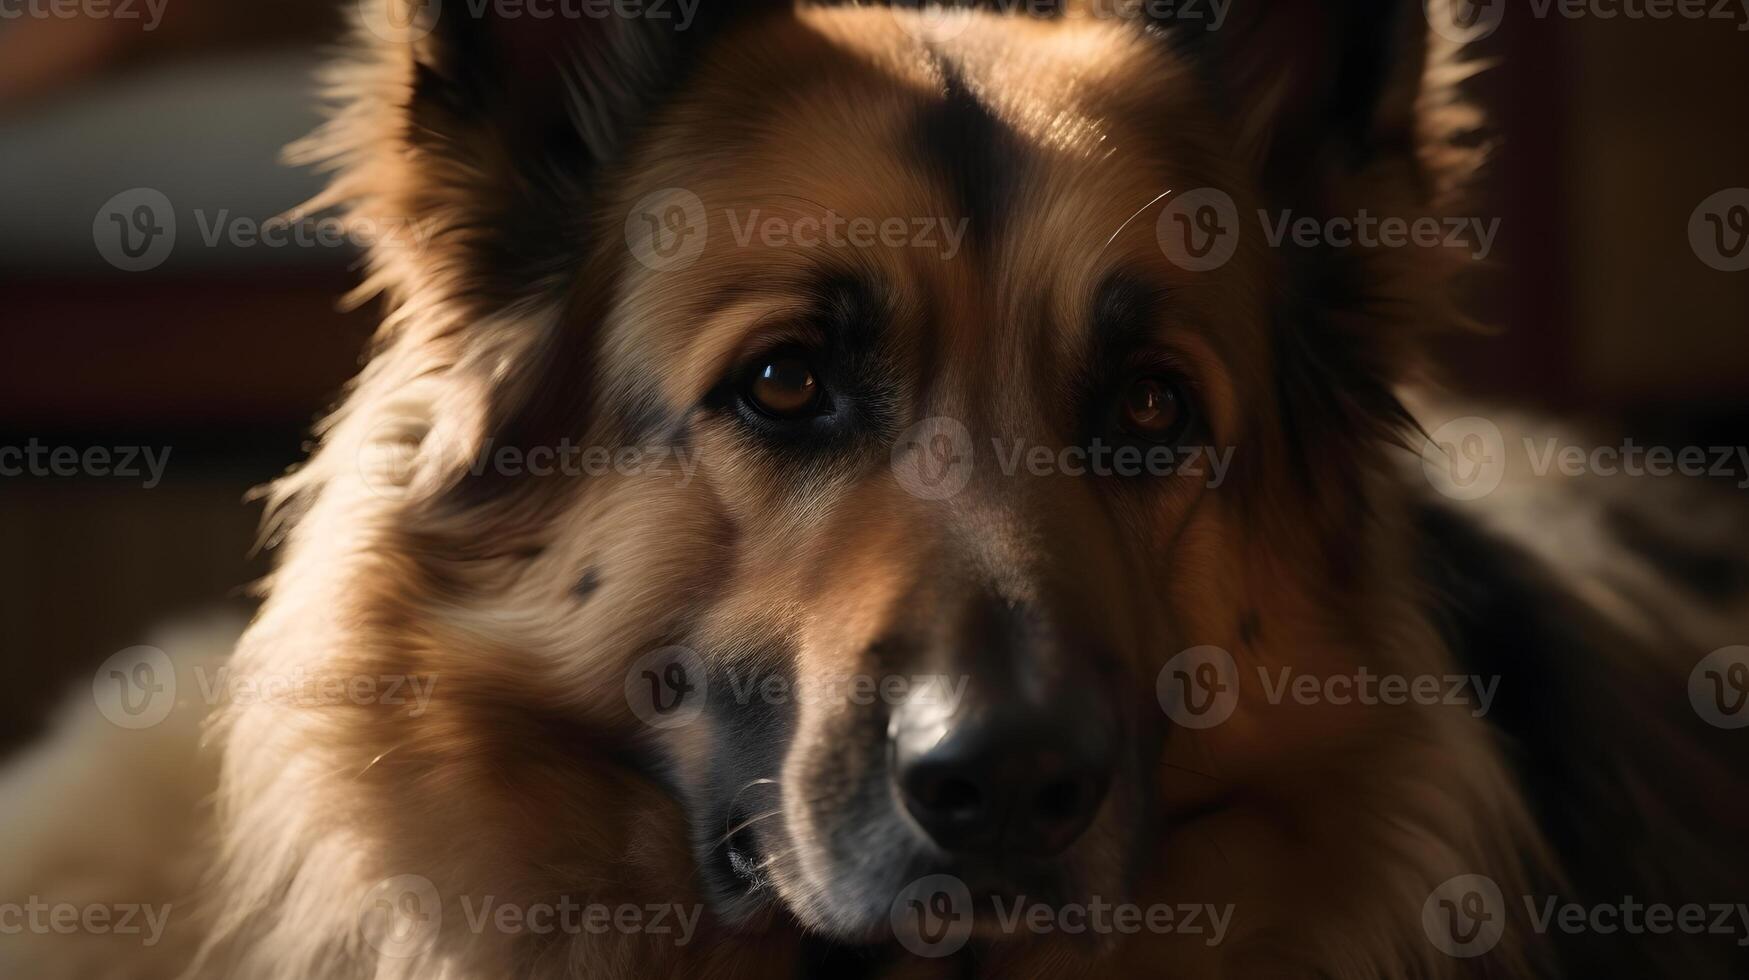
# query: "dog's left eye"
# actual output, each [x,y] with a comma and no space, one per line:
[784,387]
[1154,409]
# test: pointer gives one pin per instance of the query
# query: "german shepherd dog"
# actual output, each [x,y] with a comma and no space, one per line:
[873,642]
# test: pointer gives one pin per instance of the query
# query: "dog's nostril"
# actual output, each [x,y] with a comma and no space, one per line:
[958,797]
[1027,782]
[1058,801]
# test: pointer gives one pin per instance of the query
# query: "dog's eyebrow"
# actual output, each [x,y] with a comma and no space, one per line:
[1126,309]
[959,138]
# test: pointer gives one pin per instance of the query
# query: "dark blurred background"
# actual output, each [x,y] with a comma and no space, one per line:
[1613,132]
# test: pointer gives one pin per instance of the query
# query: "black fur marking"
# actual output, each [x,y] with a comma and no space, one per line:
[959,139]
[1124,314]
[1125,311]
[1716,576]
[828,960]
[1629,787]
[1250,628]
[587,585]
[753,733]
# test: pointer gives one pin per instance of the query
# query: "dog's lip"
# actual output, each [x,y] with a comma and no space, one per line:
[737,881]
[742,852]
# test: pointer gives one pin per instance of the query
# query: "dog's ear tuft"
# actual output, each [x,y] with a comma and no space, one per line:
[1324,90]
[548,85]
[482,127]
[1344,108]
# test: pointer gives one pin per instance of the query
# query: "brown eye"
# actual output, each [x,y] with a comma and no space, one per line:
[784,387]
[1153,409]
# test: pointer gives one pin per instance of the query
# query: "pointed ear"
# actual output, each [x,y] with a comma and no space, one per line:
[572,83]
[482,126]
[1340,107]
[1324,90]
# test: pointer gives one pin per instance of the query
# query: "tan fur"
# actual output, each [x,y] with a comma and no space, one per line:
[1332,824]
[1325,827]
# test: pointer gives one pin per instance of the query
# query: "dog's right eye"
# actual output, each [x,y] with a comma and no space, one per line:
[784,387]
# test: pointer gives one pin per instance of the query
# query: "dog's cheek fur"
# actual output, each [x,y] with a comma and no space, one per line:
[372,586]
[393,576]
[1319,823]
[325,802]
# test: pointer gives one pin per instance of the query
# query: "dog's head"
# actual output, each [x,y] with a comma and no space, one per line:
[857,409]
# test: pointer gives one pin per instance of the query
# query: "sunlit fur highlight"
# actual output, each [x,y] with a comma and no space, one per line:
[1331,825]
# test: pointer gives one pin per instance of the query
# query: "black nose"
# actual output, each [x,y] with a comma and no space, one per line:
[1000,778]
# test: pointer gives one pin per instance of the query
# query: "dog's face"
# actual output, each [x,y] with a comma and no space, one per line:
[972,451]
[870,420]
